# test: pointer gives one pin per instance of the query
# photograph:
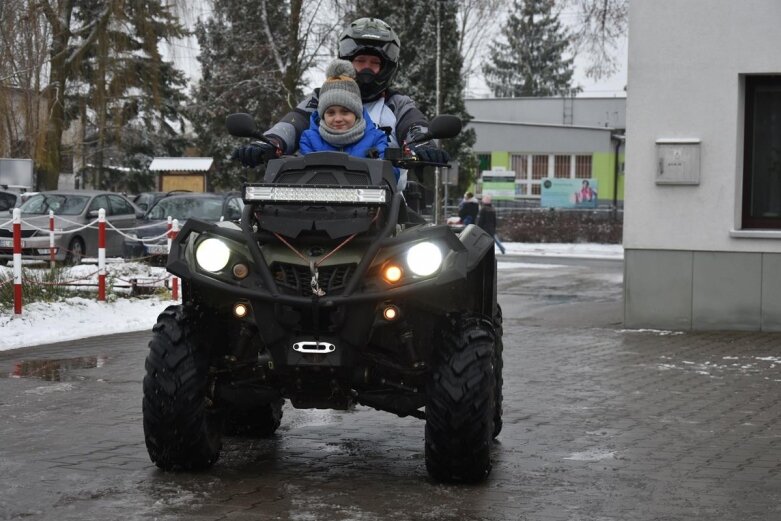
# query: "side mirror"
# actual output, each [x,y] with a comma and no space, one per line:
[443,126]
[242,125]
[92,214]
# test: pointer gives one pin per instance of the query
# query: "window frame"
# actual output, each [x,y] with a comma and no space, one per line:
[752,82]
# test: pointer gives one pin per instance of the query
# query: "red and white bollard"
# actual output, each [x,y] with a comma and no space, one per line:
[17,261]
[174,230]
[52,251]
[102,255]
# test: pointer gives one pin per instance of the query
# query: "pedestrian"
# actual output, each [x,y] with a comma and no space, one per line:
[468,209]
[373,48]
[340,122]
[486,220]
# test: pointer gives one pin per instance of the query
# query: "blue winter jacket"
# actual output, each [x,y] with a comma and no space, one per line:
[373,138]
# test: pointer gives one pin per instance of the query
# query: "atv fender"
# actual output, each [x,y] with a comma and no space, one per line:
[477,243]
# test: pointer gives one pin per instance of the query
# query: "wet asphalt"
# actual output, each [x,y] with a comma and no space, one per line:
[600,424]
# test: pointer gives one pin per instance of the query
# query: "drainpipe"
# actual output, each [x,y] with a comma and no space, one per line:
[618,139]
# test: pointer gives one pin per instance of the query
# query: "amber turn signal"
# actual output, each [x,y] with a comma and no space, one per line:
[391,273]
[240,271]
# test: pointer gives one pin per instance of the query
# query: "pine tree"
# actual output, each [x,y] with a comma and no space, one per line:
[239,74]
[130,100]
[530,59]
[416,25]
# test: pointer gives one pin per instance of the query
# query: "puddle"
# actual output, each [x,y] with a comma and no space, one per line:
[58,370]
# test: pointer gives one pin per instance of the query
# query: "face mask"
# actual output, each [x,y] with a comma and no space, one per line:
[365,76]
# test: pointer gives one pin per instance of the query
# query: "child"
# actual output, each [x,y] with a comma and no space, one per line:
[340,122]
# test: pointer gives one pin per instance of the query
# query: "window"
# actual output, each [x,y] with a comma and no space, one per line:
[561,166]
[520,164]
[762,153]
[582,167]
[119,206]
[99,202]
[484,161]
[539,167]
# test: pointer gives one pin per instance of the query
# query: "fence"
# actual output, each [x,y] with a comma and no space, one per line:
[18,243]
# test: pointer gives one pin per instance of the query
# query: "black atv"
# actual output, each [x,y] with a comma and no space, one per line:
[328,293]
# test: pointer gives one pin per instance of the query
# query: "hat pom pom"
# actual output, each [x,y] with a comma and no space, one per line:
[340,68]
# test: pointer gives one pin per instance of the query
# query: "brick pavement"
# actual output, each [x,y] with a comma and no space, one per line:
[600,424]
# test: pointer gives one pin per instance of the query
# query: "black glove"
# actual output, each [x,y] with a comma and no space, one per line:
[429,152]
[256,153]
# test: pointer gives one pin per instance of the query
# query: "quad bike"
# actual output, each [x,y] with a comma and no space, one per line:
[327,293]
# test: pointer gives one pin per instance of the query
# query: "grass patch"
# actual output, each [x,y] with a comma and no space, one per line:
[39,285]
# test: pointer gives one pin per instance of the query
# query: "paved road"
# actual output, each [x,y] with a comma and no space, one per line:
[600,424]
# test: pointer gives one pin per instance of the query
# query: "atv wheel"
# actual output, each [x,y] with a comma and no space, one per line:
[460,402]
[498,366]
[259,422]
[179,428]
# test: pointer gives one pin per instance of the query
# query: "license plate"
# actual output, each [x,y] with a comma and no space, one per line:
[157,249]
[6,243]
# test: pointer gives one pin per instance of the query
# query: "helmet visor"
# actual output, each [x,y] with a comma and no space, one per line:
[349,48]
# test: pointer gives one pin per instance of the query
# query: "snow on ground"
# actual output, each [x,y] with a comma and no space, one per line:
[78,317]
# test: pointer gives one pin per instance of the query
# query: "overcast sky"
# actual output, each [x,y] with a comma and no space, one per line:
[185,53]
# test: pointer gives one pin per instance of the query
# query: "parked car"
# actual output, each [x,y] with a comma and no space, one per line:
[7,201]
[210,207]
[146,200]
[72,210]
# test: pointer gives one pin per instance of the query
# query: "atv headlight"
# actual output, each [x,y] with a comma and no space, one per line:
[212,255]
[424,259]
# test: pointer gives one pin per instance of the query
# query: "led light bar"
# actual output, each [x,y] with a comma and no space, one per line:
[283,194]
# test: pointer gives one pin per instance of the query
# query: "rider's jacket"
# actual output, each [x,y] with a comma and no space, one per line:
[396,112]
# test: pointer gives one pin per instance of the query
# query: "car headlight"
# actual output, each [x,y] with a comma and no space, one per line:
[424,259]
[212,255]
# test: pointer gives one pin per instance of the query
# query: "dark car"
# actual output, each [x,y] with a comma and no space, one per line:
[210,207]
[146,200]
[7,201]
[73,209]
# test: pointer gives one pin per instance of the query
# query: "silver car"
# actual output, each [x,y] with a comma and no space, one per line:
[72,209]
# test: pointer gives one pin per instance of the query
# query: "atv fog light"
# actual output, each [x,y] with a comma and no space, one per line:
[212,255]
[391,273]
[240,309]
[390,313]
[240,271]
[424,259]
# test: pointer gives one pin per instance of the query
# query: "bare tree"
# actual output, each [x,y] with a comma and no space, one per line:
[478,24]
[24,43]
[69,42]
[599,26]
[309,30]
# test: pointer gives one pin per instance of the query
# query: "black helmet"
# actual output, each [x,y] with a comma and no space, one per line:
[374,37]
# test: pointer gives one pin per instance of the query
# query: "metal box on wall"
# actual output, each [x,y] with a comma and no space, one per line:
[678,161]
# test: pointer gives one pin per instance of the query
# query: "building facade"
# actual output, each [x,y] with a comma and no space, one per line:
[538,138]
[702,224]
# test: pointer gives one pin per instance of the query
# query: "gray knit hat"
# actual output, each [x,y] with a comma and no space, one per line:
[340,89]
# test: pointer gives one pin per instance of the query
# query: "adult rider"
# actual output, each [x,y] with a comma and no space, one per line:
[373,48]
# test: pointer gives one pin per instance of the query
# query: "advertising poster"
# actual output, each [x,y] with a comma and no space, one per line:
[499,184]
[568,193]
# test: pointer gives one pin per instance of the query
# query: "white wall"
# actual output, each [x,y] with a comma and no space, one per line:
[588,112]
[685,62]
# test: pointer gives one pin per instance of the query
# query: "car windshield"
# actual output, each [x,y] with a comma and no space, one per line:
[60,204]
[182,208]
